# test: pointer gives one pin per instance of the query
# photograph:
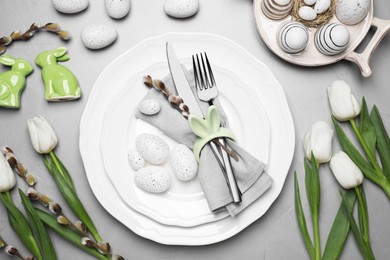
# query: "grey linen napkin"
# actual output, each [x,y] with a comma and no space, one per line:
[250,173]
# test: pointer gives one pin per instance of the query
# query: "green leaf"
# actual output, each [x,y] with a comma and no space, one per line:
[63,170]
[21,226]
[355,156]
[355,231]
[367,129]
[67,233]
[340,229]
[363,214]
[383,141]
[39,230]
[301,219]
[312,186]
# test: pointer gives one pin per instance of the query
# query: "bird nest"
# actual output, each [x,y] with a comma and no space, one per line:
[321,18]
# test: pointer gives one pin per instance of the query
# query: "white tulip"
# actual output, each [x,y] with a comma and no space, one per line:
[345,170]
[7,176]
[42,135]
[342,102]
[319,141]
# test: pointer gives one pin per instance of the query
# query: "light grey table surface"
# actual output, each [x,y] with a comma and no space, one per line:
[275,235]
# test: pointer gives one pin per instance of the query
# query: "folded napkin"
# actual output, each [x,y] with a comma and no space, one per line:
[252,179]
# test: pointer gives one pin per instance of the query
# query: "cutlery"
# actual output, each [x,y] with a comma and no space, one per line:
[207,91]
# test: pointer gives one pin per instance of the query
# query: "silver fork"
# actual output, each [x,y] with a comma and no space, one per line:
[207,91]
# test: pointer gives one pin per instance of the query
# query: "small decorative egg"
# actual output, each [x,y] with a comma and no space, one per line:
[98,36]
[70,6]
[117,8]
[136,161]
[310,2]
[293,37]
[277,9]
[149,107]
[351,12]
[153,179]
[321,6]
[183,163]
[332,39]
[307,13]
[181,8]
[152,148]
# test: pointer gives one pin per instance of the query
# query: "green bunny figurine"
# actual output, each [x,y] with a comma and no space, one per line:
[60,82]
[12,82]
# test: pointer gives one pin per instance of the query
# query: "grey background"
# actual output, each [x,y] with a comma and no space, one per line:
[276,235]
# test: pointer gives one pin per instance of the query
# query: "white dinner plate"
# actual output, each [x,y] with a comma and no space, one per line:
[184,204]
[226,54]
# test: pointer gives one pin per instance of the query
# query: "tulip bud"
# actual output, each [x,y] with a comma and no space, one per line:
[42,135]
[7,176]
[346,172]
[342,102]
[319,141]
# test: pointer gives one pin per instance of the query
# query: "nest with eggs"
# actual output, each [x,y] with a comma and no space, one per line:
[321,19]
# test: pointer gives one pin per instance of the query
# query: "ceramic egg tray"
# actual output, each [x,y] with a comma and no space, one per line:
[269,30]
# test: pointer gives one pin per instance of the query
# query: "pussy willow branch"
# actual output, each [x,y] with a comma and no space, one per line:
[178,103]
[13,251]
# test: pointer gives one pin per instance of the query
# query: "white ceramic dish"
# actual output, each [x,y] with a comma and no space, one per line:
[268,30]
[184,204]
[139,59]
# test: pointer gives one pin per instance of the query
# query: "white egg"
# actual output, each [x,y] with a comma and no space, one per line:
[70,6]
[181,8]
[149,107]
[293,37]
[117,8]
[277,9]
[136,161]
[152,148]
[98,36]
[321,6]
[351,12]
[307,13]
[310,2]
[153,179]
[183,163]
[332,39]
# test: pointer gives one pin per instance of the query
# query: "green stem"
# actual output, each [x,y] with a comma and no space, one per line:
[317,244]
[364,216]
[367,150]
[57,164]
[8,195]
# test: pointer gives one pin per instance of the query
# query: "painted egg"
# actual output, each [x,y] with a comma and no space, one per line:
[70,6]
[351,12]
[183,163]
[98,36]
[152,148]
[149,107]
[307,13]
[310,2]
[321,6]
[136,161]
[117,8]
[153,179]
[181,8]
[293,37]
[277,9]
[332,39]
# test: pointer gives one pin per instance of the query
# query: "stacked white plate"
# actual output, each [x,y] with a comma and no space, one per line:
[258,114]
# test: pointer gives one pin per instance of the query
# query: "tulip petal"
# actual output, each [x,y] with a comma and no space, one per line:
[343,104]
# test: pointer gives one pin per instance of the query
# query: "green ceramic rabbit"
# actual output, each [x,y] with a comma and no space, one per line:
[60,83]
[12,82]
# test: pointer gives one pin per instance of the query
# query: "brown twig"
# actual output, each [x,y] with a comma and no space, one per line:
[321,18]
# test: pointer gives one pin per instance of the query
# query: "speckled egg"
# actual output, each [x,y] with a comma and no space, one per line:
[277,9]
[70,6]
[181,8]
[117,8]
[321,6]
[309,2]
[98,36]
[183,163]
[307,13]
[152,148]
[153,179]
[136,161]
[332,39]
[351,12]
[293,37]
[149,107]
